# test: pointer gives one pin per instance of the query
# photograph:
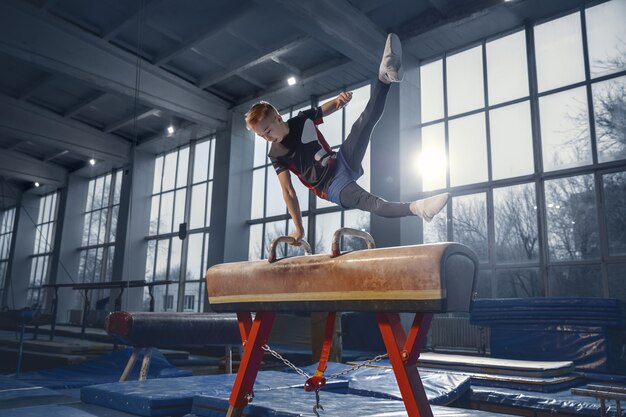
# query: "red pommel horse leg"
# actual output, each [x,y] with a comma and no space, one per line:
[403,353]
[419,279]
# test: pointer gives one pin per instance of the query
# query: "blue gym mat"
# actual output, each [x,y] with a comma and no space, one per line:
[441,388]
[106,368]
[556,402]
[159,397]
[299,403]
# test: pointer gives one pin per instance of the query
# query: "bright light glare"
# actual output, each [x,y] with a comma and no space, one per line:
[92,162]
[37,184]
[431,165]
[291,80]
[170,129]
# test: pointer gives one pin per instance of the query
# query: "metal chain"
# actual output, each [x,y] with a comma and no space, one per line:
[357,366]
[285,361]
[333,376]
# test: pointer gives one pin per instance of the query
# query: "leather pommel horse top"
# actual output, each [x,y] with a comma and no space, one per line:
[426,278]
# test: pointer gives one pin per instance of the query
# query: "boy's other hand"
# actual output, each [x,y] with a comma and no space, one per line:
[343,98]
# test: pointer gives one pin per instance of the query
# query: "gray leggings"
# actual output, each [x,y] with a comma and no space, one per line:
[353,149]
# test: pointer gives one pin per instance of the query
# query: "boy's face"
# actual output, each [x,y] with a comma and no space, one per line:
[272,129]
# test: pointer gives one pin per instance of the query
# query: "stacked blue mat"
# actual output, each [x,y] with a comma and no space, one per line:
[177,396]
[587,331]
[106,368]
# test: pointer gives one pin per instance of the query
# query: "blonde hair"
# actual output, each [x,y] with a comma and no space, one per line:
[259,112]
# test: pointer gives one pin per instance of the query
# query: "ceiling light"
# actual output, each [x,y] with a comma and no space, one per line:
[37,184]
[92,162]
[291,80]
[170,129]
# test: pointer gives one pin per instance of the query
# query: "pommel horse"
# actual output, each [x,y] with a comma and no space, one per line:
[420,279]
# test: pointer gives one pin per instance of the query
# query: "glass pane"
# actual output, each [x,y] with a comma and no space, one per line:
[511,141]
[572,218]
[559,52]
[106,193]
[431,91]
[89,205]
[201,162]
[332,128]
[359,220]
[614,203]
[255,244]
[109,267]
[260,151]
[617,281]
[212,159]
[325,227]
[575,281]
[565,129]
[97,276]
[465,81]
[198,206]
[272,231]
[154,215]
[169,171]
[86,229]
[175,258]
[507,69]
[194,257]
[149,276]
[275,204]
[432,162]
[158,173]
[209,195]
[468,150]
[609,108]
[179,208]
[360,97]
[162,253]
[97,197]
[469,222]
[118,187]
[606,36]
[167,212]
[436,230]
[258,192]
[113,229]
[103,222]
[183,164]
[519,283]
[515,220]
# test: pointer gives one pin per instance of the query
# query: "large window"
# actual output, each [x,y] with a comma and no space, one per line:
[268,215]
[7,220]
[99,230]
[534,155]
[42,251]
[181,201]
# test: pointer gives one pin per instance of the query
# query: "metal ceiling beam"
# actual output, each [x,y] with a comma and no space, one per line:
[55,156]
[112,31]
[130,119]
[29,122]
[59,47]
[238,67]
[337,24]
[26,168]
[81,105]
[35,86]
[308,76]
[229,19]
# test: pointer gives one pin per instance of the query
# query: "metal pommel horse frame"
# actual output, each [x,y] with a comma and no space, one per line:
[420,279]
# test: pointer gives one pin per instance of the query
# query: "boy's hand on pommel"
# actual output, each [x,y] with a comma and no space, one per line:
[343,98]
[297,237]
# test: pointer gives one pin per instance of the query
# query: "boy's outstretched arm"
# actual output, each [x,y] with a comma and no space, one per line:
[335,104]
[293,205]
